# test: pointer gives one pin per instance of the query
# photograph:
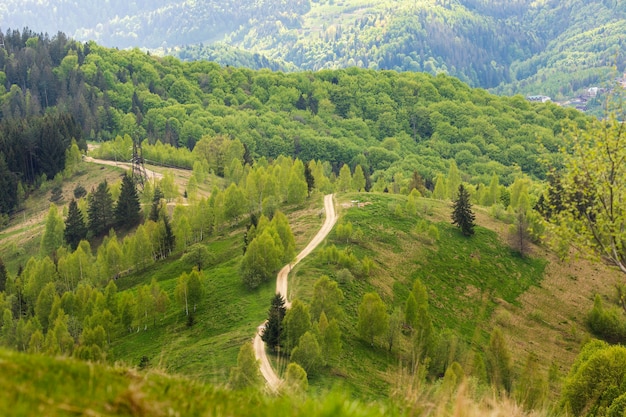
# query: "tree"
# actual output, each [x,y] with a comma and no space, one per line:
[53,233]
[462,214]
[3,276]
[297,321]
[519,231]
[189,290]
[531,387]
[373,318]
[439,192]
[261,261]
[410,311]
[394,328]
[329,337]
[75,227]
[498,362]
[326,299]
[309,178]
[281,225]
[344,181]
[358,179]
[454,180]
[593,215]
[100,209]
[308,353]
[128,209]
[296,379]
[274,327]
[195,288]
[246,374]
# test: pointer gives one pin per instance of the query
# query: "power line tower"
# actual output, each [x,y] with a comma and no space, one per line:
[138,169]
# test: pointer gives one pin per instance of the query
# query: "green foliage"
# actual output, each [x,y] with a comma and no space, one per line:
[595,383]
[592,215]
[308,354]
[607,323]
[373,320]
[327,297]
[246,374]
[462,214]
[52,237]
[498,361]
[100,210]
[127,209]
[297,322]
[296,379]
[274,327]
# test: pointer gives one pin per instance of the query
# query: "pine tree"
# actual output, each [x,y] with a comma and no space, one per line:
[156,205]
[127,209]
[100,209]
[274,327]
[310,179]
[75,227]
[3,276]
[462,214]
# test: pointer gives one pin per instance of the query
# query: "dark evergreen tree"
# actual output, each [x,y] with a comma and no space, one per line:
[310,180]
[128,209]
[274,326]
[462,214]
[8,187]
[100,209]
[301,103]
[166,238]
[75,228]
[3,276]
[156,205]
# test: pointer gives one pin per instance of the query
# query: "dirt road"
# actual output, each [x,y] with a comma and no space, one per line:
[149,173]
[273,381]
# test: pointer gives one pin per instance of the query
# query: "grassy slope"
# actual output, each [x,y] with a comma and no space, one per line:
[454,281]
[474,284]
[226,318]
[20,240]
[39,385]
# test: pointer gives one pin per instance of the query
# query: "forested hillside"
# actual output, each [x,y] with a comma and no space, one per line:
[398,304]
[392,124]
[557,48]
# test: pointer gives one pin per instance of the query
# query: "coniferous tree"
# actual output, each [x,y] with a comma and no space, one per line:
[100,209]
[156,205]
[3,275]
[310,179]
[462,214]
[274,327]
[127,209]
[75,228]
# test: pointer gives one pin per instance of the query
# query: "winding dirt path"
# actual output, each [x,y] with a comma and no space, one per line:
[273,381]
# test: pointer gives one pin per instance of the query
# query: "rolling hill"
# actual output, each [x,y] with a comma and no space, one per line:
[557,48]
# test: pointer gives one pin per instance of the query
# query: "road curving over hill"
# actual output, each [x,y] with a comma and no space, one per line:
[273,380]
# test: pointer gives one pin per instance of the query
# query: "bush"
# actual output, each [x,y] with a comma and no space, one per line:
[79,192]
[608,323]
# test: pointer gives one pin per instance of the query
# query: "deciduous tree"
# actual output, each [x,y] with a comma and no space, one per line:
[593,215]
[373,318]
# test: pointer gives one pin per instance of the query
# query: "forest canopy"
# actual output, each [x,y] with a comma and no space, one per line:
[392,124]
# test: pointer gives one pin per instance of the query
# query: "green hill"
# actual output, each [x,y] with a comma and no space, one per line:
[519,47]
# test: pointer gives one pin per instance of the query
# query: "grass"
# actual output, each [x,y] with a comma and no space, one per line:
[54,387]
[226,318]
[467,278]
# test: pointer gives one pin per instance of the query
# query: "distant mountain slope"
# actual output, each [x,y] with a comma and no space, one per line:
[522,46]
